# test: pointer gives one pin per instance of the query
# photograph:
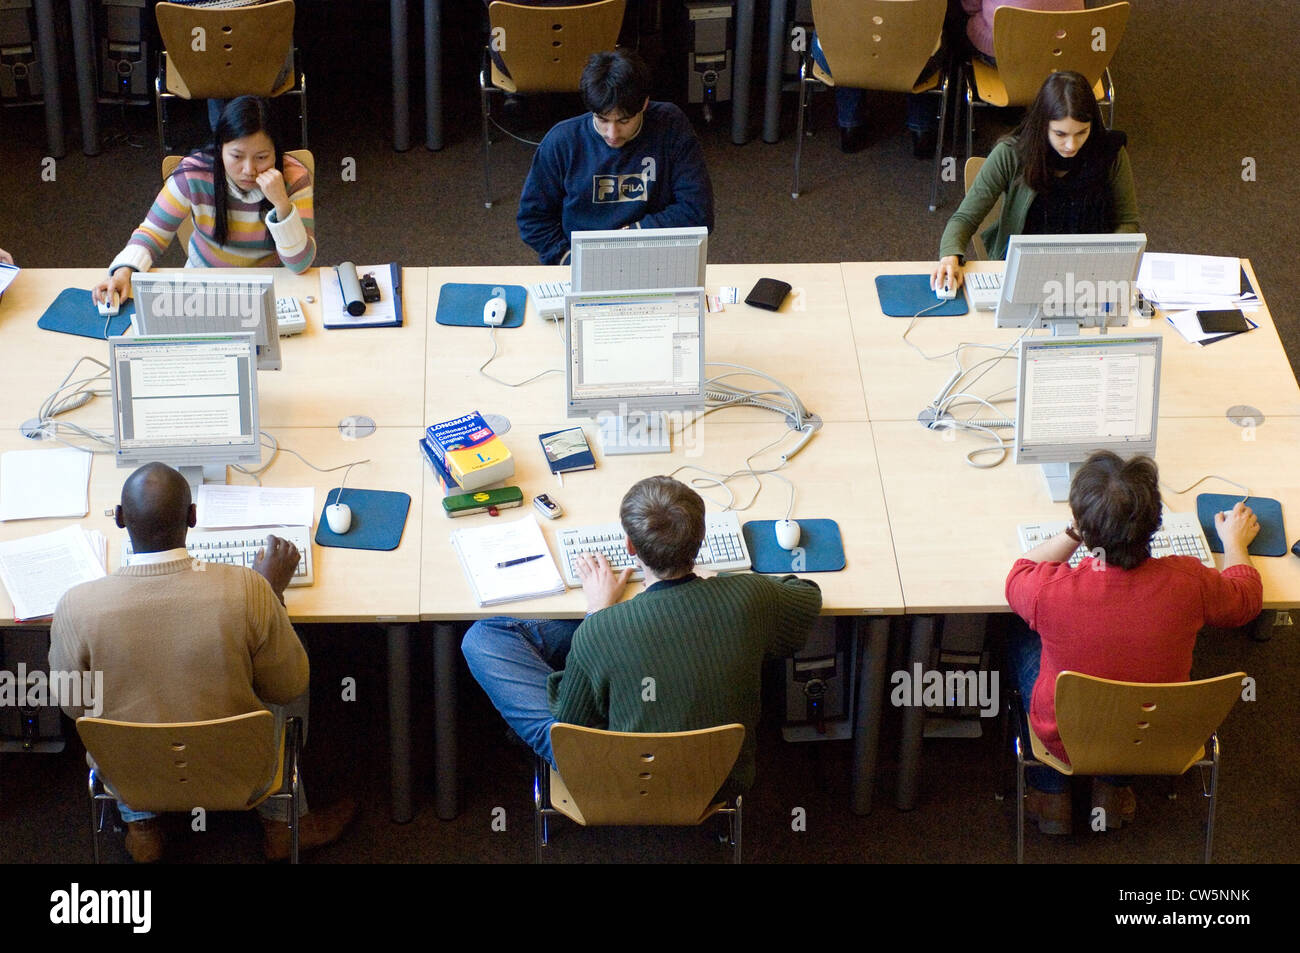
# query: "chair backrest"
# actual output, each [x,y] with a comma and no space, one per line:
[1110,727]
[546,48]
[229,764]
[1032,44]
[241,51]
[633,778]
[878,44]
[971,170]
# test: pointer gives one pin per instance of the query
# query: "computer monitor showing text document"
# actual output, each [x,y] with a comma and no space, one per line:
[1068,282]
[1081,394]
[207,301]
[189,401]
[632,258]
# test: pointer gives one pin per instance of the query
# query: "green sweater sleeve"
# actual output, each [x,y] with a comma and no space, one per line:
[1125,195]
[575,697]
[992,182]
[796,609]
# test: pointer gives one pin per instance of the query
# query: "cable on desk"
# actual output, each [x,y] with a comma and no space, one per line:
[274,445]
[68,396]
[492,333]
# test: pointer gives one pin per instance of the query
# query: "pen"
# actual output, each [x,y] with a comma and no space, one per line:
[521,559]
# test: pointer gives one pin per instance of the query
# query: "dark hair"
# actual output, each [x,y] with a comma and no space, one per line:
[664,519]
[615,80]
[243,116]
[1063,95]
[1116,506]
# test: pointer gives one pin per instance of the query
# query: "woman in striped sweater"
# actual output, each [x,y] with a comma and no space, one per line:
[251,205]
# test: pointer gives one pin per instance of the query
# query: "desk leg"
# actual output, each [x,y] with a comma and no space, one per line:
[445,653]
[83,51]
[399,720]
[741,66]
[1261,630]
[870,704]
[433,74]
[776,40]
[909,757]
[50,78]
[397,19]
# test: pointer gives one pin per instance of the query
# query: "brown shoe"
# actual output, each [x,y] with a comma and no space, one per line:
[314,830]
[1053,812]
[1118,804]
[144,841]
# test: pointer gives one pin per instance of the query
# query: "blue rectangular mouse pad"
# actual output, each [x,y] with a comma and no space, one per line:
[1271,540]
[74,312]
[461,305]
[903,296]
[820,547]
[378,518]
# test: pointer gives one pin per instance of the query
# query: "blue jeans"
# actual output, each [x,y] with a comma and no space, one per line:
[850,104]
[512,659]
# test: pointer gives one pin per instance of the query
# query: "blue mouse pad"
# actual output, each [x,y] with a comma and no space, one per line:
[378,518]
[1271,540]
[461,305]
[74,312]
[903,296]
[820,547]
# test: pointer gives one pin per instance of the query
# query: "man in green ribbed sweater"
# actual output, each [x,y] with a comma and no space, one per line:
[686,653]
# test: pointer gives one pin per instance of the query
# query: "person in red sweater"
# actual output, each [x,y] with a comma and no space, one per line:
[1119,614]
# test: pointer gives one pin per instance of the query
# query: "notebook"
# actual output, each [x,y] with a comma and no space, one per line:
[507,561]
[567,450]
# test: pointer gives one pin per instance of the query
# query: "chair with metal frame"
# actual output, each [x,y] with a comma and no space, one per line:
[545,50]
[613,778]
[1130,728]
[228,764]
[1030,45]
[877,44]
[244,51]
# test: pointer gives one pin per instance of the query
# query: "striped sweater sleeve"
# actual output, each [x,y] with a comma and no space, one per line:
[295,237]
[154,235]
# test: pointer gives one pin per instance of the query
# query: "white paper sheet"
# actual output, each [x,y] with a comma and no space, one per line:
[483,548]
[38,570]
[40,483]
[221,507]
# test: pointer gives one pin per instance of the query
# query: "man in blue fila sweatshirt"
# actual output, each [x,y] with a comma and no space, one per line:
[629,163]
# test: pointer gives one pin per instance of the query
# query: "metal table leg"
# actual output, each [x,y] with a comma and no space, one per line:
[399,720]
[397,18]
[741,66]
[909,758]
[445,653]
[433,74]
[870,705]
[50,78]
[776,40]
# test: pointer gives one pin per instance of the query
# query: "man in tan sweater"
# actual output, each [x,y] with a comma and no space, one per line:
[178,640]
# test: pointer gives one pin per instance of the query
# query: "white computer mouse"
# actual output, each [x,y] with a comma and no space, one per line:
[787,533]
[494,312]
[107,309]
[945,292]
[339,518]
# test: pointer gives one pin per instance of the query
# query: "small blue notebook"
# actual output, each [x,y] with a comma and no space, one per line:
[904,296]
[461,305]
[74,312]
[820,547]
[1271,540]
[378,519]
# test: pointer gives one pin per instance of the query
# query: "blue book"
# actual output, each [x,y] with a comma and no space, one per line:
[567,450]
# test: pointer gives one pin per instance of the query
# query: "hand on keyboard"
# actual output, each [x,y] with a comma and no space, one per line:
[277,561]
[602,586]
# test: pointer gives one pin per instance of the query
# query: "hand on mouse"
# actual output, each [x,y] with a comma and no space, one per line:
[1237,528]
[276,561]
[947,272]
[119,284]
[600,584]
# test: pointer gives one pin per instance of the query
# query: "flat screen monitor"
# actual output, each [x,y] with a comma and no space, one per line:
[1068,282]
[634,357]
[205,300]
[1080,394]
[633,258]
[187,400]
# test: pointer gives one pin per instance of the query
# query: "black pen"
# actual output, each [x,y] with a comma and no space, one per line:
[521,559]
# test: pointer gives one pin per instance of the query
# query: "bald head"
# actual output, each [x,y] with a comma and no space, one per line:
[156,508]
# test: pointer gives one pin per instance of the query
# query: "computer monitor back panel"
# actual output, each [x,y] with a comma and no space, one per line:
[203,300]
[633,258]
[1066,282]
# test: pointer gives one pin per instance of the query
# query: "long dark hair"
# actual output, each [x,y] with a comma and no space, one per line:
[243,116]
[1064,95]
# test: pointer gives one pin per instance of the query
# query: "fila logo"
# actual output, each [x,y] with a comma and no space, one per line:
[618,188]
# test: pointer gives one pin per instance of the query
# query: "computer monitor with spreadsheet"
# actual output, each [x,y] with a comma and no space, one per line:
[632,354]
[189,401]
[1080,394]
[632,258]
[204,300]
[1068,282]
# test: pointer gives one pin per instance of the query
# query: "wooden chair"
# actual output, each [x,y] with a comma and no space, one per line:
[611,778]
[1030,45]
[186,228]
[970,171]
[876,44]
[545,50]
[1110,727]
[245,51]
[229,764]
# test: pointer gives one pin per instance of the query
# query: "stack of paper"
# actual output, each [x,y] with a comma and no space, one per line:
[1196,282]
[38,570]
[40,483]
[225,507]
[506,562]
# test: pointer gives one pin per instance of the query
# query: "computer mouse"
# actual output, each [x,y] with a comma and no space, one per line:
[787,533]
[107,309]
[945,292]
[494,312]
[1296,548]
[339,518]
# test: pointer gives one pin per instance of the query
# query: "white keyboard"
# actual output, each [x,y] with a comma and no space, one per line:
[238,547]
[289,317]
[723,550]
[548,298]
[983,288]
[1179,535]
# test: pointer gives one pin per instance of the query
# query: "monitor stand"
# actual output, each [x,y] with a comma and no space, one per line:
[196,476]
[634,432]
[1058,476]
